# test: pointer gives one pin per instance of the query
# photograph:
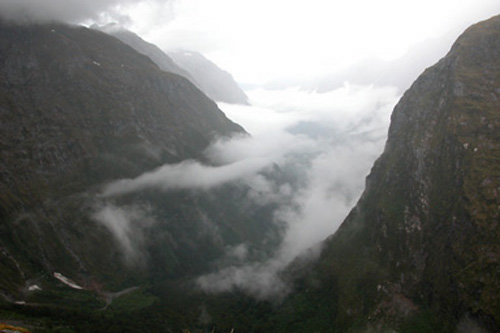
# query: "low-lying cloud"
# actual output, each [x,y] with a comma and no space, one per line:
[333,139]
[321,144]
[126,224]
[189,175]
[260,280]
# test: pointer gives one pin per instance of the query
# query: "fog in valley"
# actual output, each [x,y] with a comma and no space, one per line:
[328,142]
[325,144]
[322,79]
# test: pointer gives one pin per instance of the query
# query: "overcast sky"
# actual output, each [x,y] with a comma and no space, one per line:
[263,40]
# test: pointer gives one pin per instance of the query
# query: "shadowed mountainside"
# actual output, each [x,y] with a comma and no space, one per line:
[79,109]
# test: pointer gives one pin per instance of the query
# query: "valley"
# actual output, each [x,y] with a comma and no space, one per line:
[131,201]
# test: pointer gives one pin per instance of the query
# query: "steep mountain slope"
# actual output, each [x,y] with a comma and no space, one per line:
[216,82]
[152,51]
[421,250]
[80,109]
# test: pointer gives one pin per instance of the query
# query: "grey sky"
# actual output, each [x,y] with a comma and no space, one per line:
[263,41]
[60,10]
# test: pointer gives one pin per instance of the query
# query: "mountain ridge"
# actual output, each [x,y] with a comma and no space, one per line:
[420,247]
[152,51]
[80,109]
[216,83]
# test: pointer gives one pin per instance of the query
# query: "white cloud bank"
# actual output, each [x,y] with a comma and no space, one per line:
[324,144]
[346,130]
[190,175]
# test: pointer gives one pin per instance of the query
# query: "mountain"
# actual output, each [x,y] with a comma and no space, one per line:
[216,82]
[81,111]
[159,57]
[420,252]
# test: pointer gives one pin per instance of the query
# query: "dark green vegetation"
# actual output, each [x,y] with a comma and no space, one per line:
[79,109]
[419,253]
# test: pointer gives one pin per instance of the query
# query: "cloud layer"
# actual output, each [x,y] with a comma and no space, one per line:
[189,175]
[327,142]
[321,146]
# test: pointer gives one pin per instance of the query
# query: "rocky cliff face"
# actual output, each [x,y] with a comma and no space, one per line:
[79,109]
[421,249]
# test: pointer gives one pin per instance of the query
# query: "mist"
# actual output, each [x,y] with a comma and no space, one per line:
[187,175]
[266,46]
[322,146]
[333,139]
[127,225]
